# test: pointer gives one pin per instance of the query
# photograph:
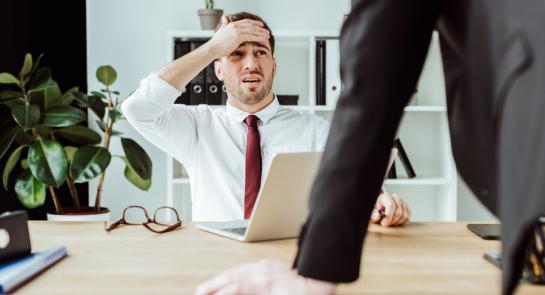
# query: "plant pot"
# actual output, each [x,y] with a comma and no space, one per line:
[210,18]
[83,214]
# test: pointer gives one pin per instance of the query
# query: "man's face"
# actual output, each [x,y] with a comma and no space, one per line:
[248,72]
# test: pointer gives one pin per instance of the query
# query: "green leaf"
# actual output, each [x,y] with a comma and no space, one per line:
[48,162]
[80,134]
[89,161]
[114,115]
[7,140]
[82,99]
[98,94]
[134,178]
[36,63]
[24,164]
[10,164]
[137,157]
[115,92]
[47,97]
[29,190]
[68,96]
[70,151]
[27,116]
[97,106]
[27,65]
[42,76]
[61,116]
[7,78]
[9,94]
[106,75]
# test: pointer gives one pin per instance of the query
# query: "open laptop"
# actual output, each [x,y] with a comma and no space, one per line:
[282,203]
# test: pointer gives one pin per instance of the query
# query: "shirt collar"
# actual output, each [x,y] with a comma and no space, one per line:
[264,115]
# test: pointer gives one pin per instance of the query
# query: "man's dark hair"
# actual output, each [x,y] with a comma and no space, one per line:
[246,15]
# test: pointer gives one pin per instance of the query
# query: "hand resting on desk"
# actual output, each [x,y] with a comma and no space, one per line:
[395,210]
[266,277]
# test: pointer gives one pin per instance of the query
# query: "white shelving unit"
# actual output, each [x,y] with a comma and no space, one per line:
[423,130]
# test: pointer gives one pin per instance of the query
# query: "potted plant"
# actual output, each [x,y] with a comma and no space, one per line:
[210,17]
[41,116]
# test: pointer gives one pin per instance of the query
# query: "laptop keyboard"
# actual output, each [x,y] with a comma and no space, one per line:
[236,230]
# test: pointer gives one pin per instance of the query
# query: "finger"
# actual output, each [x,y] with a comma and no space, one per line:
[375,216]
[213,285]
[257,33]
[232,289]
[405,213]
[398,213]
[252,30]
[247,21]
[386,201]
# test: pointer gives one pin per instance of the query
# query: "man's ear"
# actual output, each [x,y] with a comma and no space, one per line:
[217,70]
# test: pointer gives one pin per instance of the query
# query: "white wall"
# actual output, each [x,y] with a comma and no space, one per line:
[469,207]
[130,35]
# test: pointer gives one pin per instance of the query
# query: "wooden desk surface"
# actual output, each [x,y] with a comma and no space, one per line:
[421,258]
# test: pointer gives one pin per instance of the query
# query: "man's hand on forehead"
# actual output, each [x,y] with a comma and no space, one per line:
[231,35]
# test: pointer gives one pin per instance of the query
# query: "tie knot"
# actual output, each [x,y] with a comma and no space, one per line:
[251,121]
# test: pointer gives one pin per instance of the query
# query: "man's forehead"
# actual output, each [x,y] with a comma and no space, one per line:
[258,44]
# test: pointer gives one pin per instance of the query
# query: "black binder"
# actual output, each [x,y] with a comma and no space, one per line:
[181,48]
[320,72]
[213,86]
[223,94]
[197,92]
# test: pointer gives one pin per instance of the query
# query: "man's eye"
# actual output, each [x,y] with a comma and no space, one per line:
[262,52]
[236,53]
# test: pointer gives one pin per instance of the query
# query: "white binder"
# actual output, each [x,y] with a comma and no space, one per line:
[332,76]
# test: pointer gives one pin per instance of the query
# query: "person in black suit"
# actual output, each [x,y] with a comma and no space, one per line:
[494,73]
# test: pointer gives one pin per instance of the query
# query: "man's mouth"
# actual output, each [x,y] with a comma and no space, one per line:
[251,81]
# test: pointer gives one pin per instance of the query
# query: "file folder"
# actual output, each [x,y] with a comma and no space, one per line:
[197,91]
[213,86]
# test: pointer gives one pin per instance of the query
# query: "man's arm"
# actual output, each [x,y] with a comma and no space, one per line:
[390,209]
[149,108]
[383,47]
[230,35]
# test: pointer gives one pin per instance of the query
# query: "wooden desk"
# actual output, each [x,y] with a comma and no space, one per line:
[421,258]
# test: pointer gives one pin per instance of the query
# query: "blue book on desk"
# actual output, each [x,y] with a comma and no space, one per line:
[15,272]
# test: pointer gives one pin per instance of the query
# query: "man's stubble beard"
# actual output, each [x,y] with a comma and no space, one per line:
[255,95]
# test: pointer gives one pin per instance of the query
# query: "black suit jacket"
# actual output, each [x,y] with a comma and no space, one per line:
[495,99]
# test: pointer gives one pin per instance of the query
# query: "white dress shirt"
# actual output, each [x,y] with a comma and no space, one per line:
[211,142]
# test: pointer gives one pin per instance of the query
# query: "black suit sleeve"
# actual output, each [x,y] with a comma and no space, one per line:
[383,47]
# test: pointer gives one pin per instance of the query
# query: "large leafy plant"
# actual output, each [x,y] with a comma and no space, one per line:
[41,115]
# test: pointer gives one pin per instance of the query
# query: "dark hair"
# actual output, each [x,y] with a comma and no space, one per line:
[246,15]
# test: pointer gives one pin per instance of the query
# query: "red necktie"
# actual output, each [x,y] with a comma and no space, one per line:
[253,165]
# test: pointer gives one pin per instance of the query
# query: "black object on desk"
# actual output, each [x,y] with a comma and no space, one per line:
[287,99]
[14,236]
[486,231]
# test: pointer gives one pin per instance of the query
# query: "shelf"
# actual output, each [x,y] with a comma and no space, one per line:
[428,108]
[180,180]
[277,34]
[418,181]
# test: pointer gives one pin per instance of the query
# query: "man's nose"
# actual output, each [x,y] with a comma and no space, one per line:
[250,62]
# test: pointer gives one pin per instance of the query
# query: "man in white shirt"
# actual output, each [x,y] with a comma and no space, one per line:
[225,151]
